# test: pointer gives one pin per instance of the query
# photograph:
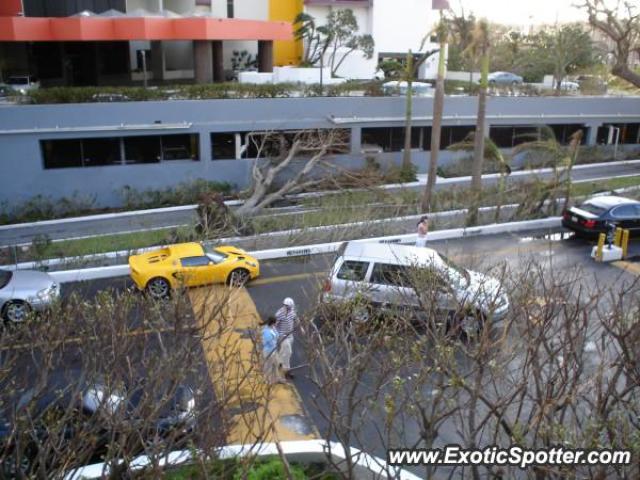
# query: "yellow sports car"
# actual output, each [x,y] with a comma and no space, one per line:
[191,265]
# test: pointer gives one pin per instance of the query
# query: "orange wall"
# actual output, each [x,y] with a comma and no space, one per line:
[10,7]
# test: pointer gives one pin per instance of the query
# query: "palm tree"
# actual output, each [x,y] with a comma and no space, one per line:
[438,109]
[480,47]
[561,159]
[492,154]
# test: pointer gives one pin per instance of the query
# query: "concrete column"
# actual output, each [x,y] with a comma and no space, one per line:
[203,61]
[158,62]
[356,140]
[265,56]
[592,133]
[218,63]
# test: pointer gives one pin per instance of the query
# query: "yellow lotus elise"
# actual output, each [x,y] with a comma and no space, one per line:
[191,265]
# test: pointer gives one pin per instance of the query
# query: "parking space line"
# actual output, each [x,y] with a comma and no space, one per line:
[285,278]
[231,324]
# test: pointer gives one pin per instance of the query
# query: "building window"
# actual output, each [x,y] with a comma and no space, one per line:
[563,132]
[629,133]
[278,143]
[230,13]
[180,147]
[223,146]
[390,139]
[454,134]
[61,153]
[101,151]
[142,149]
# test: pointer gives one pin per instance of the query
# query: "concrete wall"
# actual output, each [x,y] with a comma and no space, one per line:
[22,128]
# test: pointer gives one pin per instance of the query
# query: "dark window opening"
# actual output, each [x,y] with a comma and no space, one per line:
[629,133]
[509,136]
[563,133]
[390,139]
[279,143]
[180,147]
[454,134]
[142,149]
[223,146]
[230,13]
[61,153]
[101,151]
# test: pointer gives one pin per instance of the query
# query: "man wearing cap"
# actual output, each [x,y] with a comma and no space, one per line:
[286,320]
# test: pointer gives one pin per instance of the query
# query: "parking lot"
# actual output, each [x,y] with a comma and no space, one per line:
[223,353]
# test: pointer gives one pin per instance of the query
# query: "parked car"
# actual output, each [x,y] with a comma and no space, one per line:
[109,97]
[504,79]
[598,213]
[419,89]
[73,410]
[23,83]
[22,291]
[191,265]
[569,86]
[381,274]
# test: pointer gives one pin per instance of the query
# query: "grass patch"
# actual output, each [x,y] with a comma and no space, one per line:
[336,209]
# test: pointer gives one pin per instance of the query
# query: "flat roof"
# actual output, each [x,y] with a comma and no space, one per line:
[392,253]
[52,29]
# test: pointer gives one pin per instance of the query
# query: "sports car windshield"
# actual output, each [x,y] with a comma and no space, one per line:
[5,277]
[216,256]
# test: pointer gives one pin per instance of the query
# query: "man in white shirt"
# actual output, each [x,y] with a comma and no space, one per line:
[286,320]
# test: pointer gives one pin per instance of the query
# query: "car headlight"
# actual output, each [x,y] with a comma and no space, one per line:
[252,264]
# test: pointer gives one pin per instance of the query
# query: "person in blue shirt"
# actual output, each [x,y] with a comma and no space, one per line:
[270,356]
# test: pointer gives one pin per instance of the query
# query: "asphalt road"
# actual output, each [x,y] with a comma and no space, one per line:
[300,278]
[109,225]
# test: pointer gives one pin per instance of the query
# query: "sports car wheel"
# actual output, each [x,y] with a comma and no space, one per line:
[158,288]
[238,277]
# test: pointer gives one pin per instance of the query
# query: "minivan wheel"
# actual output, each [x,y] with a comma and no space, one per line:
[158,288]
[16,311]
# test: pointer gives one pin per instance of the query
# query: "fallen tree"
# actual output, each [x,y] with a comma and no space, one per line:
[276,151]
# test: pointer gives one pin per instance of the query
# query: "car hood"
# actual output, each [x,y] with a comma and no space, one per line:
[29,281]
[483,291]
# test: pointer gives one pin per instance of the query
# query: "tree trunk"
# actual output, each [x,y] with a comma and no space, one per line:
[621,70]
[406,155]
[478,150]
[436,127]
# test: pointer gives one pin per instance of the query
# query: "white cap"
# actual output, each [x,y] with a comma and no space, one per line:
[288,302]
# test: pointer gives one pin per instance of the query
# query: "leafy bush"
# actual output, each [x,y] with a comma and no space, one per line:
[184,193]
[270,470]
[41,207]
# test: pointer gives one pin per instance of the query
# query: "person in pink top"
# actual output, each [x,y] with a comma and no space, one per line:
[423,229]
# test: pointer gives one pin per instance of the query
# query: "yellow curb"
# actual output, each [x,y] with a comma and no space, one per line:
[633,268]
[229,319]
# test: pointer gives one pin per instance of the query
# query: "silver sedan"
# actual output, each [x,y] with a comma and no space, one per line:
[22,291]
[504,79]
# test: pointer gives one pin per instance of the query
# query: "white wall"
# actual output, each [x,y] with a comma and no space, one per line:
[401,25]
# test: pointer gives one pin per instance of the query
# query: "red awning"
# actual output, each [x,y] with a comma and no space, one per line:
[35,29]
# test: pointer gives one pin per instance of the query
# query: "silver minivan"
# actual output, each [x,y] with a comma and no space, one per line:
[388,275]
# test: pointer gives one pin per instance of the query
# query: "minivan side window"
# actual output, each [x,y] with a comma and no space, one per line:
[387,274]
[353,270]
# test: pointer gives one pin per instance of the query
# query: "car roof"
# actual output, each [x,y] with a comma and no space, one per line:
[182,250]
[392,253]
[608,201]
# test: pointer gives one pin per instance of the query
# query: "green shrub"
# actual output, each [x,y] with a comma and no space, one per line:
[270,470]
[184,193]
[41,207]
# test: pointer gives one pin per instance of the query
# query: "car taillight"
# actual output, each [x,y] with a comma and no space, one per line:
[326,286]
[589,223]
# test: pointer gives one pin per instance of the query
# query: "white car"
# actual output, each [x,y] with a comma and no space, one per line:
[569,86]
[22,291]
[382,275]
[23,83]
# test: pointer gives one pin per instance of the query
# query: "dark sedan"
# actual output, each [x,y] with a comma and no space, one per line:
[598,213]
